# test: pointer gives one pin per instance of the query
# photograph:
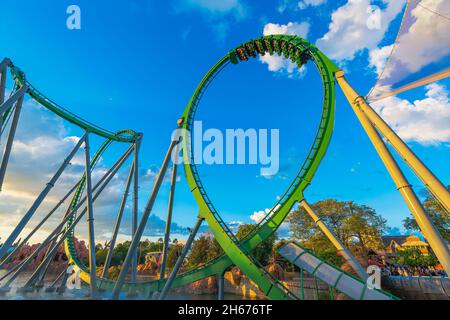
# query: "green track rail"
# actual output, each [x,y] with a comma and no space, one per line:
[237,252]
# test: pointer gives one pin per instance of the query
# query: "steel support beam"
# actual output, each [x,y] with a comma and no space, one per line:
[29,214]
[134,222]
[3,71]
[39,273]
[112,244]
[8,104]
[426,225]
[52,288]
[180,260]
[38,226]
[101,184]
[436,187]
[90,221]
[173,182]
[10,140]
[220,286]
[335,241]
[140,230]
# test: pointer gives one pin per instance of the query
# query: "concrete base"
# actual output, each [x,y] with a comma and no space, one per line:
[4,290]
[25,290]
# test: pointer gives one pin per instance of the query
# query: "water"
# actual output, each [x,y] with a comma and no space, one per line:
[83,293]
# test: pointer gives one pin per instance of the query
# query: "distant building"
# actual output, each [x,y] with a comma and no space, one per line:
[153,256]
[393,244]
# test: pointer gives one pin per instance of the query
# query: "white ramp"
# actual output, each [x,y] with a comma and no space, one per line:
[333,276]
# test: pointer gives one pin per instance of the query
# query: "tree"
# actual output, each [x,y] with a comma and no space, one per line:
[204,249]
[415,258]
[214,248]
[199,252]
[263,251]
[437,214]
[358,227]
[172,255]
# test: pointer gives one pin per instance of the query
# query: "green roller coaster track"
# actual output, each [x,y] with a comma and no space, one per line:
[237,252]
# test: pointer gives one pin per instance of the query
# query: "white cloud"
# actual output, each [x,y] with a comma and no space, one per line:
[310,3]
[258,216]
[425,121]
[425,41]
[300,29]
[428,39]
[42,142]
[378,58]
[355,27]
[279,64]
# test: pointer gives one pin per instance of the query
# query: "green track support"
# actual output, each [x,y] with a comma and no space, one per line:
[237,252]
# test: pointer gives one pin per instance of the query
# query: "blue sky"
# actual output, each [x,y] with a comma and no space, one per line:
[135,64]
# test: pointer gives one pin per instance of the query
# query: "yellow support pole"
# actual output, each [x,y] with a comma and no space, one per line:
[335,241]
[430,232]
[436,187]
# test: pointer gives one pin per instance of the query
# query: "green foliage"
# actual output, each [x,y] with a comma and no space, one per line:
[437,214]
[121,249]
[358,227]
[415,258]
[204,249]
[263,251]
[199,252]
[172,255]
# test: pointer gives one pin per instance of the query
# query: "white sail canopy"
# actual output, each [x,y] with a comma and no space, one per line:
[421,52]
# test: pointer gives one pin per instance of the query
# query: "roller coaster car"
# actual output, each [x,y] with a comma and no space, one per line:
[276,46]
[292,53]
[233,57]
[297,54]
[305,56]
[259,47]
[268,46]
[241,54]
[250,49]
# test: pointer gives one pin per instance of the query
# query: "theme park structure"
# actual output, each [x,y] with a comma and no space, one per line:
[237,252]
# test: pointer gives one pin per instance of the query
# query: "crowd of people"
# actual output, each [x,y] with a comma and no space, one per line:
[390,268]
[407,271]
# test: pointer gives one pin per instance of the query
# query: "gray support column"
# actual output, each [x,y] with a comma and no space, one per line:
[90,222]
[180,260]
[63,285]
[26,218]
[101,184]
[8,104]
[173,182]
[117,224]
[104,181]
[142,223]
[10,140]
[3,70]
[134,221]
[28,237]
[111,173]
[52,288]
[220,286]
